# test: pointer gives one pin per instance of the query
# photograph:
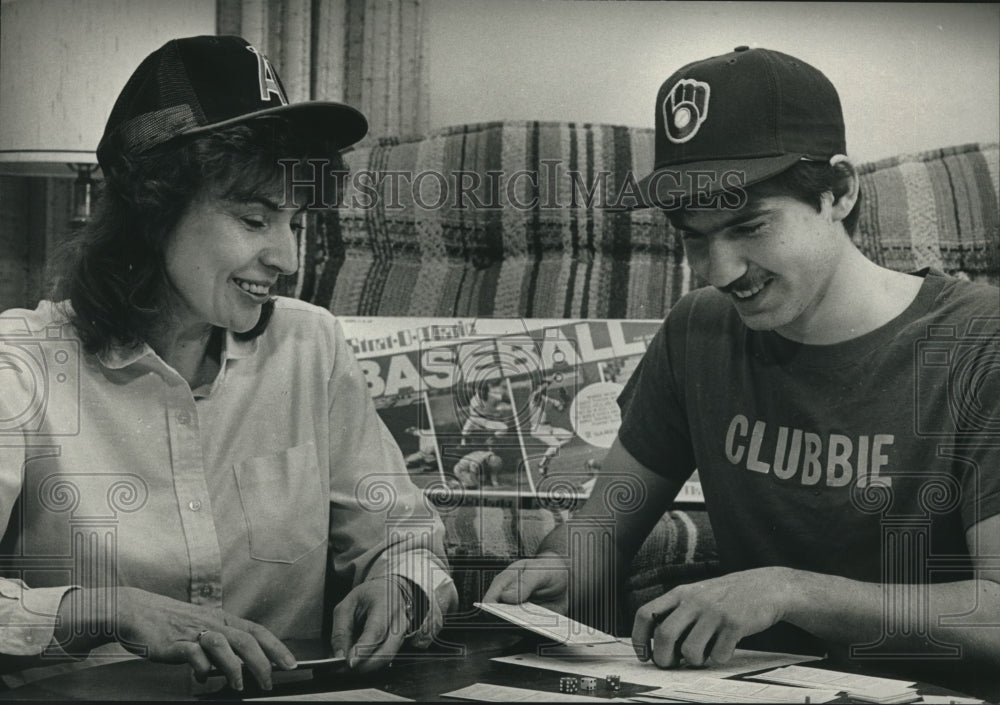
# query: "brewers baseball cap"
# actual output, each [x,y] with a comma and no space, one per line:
[738,119]
[198,84]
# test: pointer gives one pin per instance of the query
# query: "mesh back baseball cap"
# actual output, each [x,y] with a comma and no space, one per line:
[198,84]
[749,114]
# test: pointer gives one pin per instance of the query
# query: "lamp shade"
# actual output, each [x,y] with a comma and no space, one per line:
[63,63]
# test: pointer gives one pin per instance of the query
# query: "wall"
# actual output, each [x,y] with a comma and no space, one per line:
[911,76]
[62,63]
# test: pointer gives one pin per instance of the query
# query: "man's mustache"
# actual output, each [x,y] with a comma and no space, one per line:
[748,281]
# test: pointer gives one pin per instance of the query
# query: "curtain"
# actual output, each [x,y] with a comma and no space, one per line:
[367,53]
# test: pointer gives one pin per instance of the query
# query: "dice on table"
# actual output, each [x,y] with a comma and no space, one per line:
[568,684]
[614,681]
[588,683]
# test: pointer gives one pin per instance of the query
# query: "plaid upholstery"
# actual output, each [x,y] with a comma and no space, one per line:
[935,208]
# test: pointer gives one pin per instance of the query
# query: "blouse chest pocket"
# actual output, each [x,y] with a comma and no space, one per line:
[285,504]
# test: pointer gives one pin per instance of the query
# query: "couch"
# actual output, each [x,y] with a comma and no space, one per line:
[533,247]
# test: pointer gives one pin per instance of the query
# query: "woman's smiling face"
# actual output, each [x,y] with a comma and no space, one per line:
[224,256]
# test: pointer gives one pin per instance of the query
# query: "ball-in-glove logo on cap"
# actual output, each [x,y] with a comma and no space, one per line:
[684,109]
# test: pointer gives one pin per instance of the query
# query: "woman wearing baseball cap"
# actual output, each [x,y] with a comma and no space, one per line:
[224,435]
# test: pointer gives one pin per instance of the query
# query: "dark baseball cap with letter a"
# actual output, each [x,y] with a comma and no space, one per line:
[198,84]
[738,119]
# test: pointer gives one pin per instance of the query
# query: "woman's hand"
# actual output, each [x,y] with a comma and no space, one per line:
[162,629]
[378,611]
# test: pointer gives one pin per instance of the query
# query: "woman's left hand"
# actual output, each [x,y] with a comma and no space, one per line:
[377,610]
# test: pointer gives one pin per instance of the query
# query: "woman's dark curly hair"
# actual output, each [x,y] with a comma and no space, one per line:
[113,272]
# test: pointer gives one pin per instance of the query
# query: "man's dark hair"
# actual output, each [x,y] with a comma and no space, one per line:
[113,272]
[807,181]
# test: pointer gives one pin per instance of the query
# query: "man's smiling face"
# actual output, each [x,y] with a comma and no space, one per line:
[775,258]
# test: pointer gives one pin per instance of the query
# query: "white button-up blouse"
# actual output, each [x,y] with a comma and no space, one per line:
[250,494]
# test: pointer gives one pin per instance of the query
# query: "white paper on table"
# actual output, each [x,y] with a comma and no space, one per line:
[619,659]
[822,678]
[547,623]
[362,695]
[716,690]
[487,692]
[620,649]
[949,700]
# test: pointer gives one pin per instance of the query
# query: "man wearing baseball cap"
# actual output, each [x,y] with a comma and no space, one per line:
[790,384]
[229,432]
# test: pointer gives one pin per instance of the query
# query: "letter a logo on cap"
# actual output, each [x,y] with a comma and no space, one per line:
[265,75]
[684,109]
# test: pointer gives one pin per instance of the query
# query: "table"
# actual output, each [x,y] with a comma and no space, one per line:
[423,676]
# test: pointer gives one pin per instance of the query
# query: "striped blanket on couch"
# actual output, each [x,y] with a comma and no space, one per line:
[536,248]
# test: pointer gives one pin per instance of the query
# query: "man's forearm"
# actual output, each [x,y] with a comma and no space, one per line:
[894,620]
[603,536]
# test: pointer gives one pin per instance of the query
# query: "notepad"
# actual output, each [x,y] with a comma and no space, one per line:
[547,623]
[490,693]
[859,687]
[363,695]
[308,653]
[719,690]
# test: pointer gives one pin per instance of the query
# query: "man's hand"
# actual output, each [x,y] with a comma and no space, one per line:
[162,629]
[377,609]
[703,622]
[543,580]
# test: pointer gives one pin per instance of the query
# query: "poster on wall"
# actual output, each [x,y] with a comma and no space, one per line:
[502,408]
